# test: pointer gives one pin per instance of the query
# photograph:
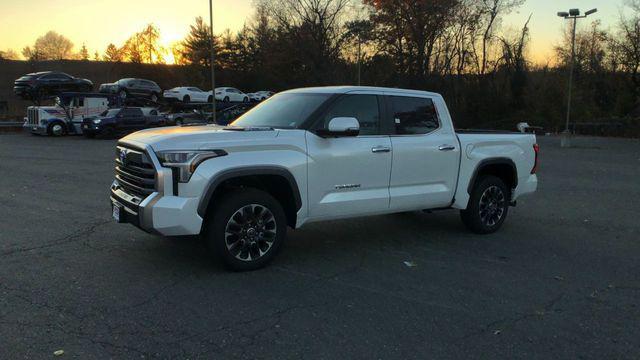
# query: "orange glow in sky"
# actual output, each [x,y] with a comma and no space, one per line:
[96,23]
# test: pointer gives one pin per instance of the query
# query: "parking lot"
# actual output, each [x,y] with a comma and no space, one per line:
[560,280]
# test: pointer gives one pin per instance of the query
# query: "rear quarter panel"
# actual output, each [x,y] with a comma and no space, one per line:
[476,148]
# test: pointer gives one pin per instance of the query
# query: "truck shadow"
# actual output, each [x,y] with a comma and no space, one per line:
[316,242]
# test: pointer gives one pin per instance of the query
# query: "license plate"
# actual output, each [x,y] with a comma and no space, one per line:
[116,213]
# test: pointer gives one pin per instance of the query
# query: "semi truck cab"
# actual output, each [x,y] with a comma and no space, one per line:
[65,116]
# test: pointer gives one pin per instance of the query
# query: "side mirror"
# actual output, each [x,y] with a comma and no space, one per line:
[341,127]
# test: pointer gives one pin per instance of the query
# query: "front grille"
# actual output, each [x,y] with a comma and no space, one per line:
[135,172]
[33,116]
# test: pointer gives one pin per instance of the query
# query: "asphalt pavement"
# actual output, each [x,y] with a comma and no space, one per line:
[561,280]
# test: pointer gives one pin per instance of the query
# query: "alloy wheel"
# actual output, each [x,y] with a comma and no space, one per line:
[250,232]
[492,203]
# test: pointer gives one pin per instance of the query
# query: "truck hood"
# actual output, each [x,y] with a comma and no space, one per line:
[51,110]
[197,137]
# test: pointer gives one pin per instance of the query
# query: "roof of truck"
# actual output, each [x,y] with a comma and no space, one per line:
[347,89]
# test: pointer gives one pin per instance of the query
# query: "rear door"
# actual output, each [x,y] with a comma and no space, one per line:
[426,154]
[350,175]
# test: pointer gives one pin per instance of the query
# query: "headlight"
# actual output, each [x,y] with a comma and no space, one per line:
[186,162]
[97,121]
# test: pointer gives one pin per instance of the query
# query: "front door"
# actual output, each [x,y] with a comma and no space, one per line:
[132,119]
[350,175]
[426,155]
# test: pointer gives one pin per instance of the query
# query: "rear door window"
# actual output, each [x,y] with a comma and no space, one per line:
[413,115]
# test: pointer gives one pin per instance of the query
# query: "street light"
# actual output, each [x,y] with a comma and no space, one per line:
[213,78]
[573,14]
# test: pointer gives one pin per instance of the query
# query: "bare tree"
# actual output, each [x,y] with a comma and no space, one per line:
[50,46]
[9,54]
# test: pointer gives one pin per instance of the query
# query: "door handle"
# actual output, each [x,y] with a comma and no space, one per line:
[380,149]
[446,147]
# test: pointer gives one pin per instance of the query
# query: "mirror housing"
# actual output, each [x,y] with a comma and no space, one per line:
[341,127]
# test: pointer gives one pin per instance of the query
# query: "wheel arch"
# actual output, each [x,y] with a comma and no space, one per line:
[503,168]
[277,181]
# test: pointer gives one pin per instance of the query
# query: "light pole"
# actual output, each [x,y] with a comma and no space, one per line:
[213,57]
[573,14]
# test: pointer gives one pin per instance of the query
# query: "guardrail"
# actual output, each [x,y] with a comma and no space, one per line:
[10,126]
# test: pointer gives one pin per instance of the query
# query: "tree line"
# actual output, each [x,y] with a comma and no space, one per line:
[456,47]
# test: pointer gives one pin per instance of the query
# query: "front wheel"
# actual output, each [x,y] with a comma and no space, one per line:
[246,229]
[488,206]
[57,129]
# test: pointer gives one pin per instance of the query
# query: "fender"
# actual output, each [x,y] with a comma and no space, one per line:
[492,161]
[247,171]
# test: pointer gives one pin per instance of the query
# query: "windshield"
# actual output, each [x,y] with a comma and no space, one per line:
[287,111]
[110,113]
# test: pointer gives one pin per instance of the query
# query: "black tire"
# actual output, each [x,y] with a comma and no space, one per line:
[123,94]
[179,122]
[226,99]
[57,128]
[245,100]
[109,132]
[255,233]
[210,99]
[186,99]
[488,206]
[154,97]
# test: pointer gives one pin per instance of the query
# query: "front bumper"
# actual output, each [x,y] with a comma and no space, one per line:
[35,129]
[161,212]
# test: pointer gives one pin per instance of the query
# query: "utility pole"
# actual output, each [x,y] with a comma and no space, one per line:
[213,58]
[573,14]
[359,56]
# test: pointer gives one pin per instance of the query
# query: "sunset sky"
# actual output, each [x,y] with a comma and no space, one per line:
[99,22]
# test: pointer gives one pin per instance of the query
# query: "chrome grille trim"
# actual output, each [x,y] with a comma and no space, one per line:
[134,172]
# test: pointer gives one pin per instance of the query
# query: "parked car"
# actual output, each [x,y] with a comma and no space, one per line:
[317,154]
[228,94]
[124,120]
[231,113]
[194,116]
[126,88]
[188,94]
[66,115]
[262,95]
[36,86]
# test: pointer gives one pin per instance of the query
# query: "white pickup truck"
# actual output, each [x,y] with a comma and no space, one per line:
[316,154]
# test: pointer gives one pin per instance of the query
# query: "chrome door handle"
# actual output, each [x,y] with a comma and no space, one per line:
[380,149]
[446,147]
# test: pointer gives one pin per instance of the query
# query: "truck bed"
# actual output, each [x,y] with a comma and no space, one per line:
[478,146]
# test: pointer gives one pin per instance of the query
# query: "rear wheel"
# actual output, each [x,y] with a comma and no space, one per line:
[210,99]
[154,97]
[488,206]
[186,99]
[245,99]
[226,99]
[123,94]
[179,122]
[246,229]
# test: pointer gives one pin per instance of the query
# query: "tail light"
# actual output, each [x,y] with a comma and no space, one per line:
[536,150]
